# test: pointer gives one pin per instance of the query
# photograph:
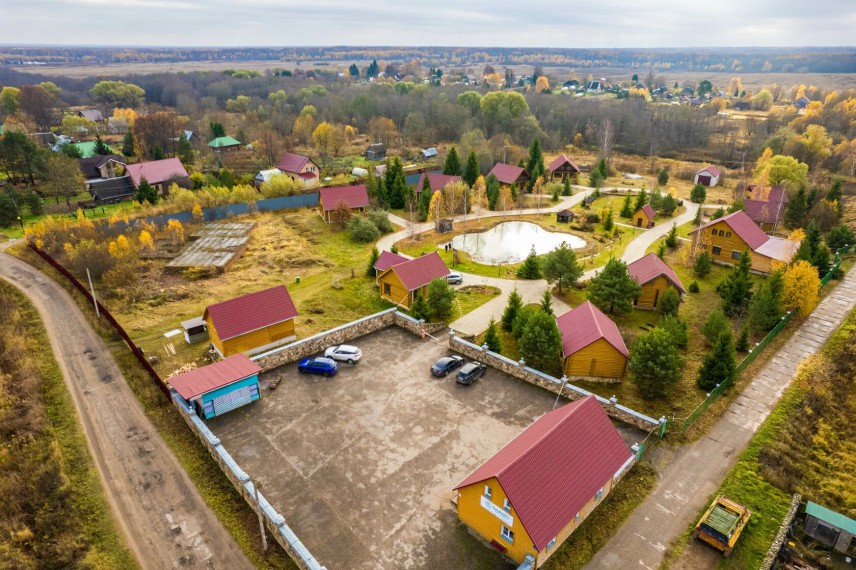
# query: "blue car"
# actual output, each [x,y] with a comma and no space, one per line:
[318,365]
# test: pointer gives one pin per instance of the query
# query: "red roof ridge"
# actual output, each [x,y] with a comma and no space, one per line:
[741,224]
[250,312]
[352,196]
[649,267]
[419,271]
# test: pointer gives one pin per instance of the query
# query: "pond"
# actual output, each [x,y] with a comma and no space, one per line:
[511,242]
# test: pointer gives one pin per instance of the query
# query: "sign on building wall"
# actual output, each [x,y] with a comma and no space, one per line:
[497,511]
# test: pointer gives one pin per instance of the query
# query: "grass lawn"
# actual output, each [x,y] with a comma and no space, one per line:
[105,211]
[470,298]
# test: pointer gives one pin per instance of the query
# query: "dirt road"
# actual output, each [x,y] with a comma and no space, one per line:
[164,520]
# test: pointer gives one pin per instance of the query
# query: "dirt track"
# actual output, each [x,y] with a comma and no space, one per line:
[163,518]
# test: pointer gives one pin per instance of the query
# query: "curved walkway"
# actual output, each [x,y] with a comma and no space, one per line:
[163,518]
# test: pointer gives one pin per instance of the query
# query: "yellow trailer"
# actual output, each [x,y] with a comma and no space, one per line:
[722,524]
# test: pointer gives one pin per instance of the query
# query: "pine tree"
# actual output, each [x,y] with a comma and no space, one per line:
[547,302]
[101,147]
[595,178]
[719,364]
[670,302]
[608,222]
[217,130]
[742,343]
[796,210]
[641,200]
[512,308]
[440,298]
[535,165]
[698,194]
[491,338]
[702,265]
[560,266]
[472,173]
[541,343]
[420,309]
[655,363]
[566,186]
[736,288]
[627,207]
[672,237]
[370,270]
[603,169]
[128,144]
[663,177]
[184,150]
[531,268]
[492,191]
[613,289]
[554,196]
[452,166]
[677,328]
[765,307]
[425,199]
[157,153]
[146,193]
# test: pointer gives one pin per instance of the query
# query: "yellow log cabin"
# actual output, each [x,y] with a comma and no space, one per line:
[526,500]
[592,347]
[655,277]
[399,283]
[251,323]
[726,238]
[355,198]
[644,217]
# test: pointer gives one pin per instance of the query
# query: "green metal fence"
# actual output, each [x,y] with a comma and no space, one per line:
[653,438]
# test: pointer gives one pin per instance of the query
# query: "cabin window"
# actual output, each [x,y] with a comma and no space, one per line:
[387,289]
[577,517]
[716,250]
[728,234]
[599,494]
[551,544]
[506,506]
[487,491]
[735,255]
[507,534]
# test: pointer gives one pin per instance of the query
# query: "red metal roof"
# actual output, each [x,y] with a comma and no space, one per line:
[585,324]
[418,272]
[352,196]
[437,181]
[387,259]
[560,161]
[711,169]
[650,267]
[293,163]
[506,173]
[207,378]
[649,211]
[251,312]
[764,212]
[156,171]
[743,226]
[307,175]
[556,466]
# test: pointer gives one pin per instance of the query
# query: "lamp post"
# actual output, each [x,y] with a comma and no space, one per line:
[15,204]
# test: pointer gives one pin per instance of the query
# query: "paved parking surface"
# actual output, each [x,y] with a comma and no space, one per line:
[362,465]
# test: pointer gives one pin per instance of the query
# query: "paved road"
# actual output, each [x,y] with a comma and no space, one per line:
[165,521]
[697,470]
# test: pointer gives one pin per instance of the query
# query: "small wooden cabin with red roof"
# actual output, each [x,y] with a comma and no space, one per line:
[526,500]
[510,175]
[356,198]
[251,323]
[436,181]
[655,277]
[400,281]
[592,346]
[562,167]
[644,217]
[385,260]
[218,388]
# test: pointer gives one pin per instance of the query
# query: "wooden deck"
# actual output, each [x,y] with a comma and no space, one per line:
[214,246]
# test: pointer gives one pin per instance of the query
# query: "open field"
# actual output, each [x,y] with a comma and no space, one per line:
[394,443]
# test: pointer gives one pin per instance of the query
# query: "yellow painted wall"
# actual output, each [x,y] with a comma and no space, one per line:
[252,339]
[212,334]
[729,244]
[398,292]
[653,290]
[487,525]
[640,214]
[599,359]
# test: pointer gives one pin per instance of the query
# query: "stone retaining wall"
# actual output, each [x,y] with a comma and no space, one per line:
[782,535]
[547,382]
[274,522]
[413,326]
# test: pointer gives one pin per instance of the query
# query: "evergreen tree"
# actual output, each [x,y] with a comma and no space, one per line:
[370,270]
[834,193]
[184,150]
[697,218]
[521,320]
[101,148]
[395,184]
[128,144]
[372,70]
[535,165]
[719,364]
[641,200]
[157,153]
[698,194]
[595,178]
[672,237]
[796,210]
[34,203]
[491,338]
[541,343]
[765,307]
[667,205]
[655,364]
[512,308]
[670,302]
[702,265]
[425,199]
[471,173]
[663,177]
[440,298]
[613,289]
[217,130]
[736,288]
[547,302]
[8,210]
[554,197]
[742,343]
[603,169]
[627,207]
[420,309]
[677,328]
[714,325]
[661,250]
[813,250]
[452,166]
[608,222]
[840,236]
[531,268]
[566,186]
[146,193]
[354,71]
[492,191]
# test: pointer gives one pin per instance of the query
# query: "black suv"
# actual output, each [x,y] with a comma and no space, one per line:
[471,372]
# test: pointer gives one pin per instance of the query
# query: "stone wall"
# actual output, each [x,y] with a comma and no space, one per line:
[547,382]
[413,326]
[782,535]
[274,522]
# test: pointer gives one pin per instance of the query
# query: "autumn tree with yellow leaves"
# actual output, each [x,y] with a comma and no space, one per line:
[801,287]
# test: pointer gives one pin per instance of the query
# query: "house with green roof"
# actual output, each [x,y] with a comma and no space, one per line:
[224,143]
[87,149]
[831,528]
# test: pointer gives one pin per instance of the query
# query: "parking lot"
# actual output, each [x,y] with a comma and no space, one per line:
[362,464]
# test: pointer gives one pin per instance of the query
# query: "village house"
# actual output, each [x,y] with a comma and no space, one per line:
[300,169]
[265,176]
[526,500]
[385,260]
[111,190]
[158,173]
[708,176]
[430,152]
[592,347]
[436,181]
[93,115]
[562,167]
[726,238]
[220,387]
[644,217]
[655,277]
[224,143]
[87,149]
[251,323]
[766,206]
[401,281]
[375,151]
[510,175]
[99,167]
[355,198]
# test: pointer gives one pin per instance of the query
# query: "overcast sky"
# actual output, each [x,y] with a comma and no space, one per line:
[593,23]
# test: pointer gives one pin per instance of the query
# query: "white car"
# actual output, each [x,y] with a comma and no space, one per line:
[344,353]
[454,278]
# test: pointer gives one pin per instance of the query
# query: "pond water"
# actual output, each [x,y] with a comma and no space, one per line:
[511,242]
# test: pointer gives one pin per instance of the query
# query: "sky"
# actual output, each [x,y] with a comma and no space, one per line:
[513,23]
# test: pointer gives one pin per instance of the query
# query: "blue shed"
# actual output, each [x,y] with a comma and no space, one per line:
[221,387]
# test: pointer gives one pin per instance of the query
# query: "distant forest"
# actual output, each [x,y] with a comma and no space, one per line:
[744,59]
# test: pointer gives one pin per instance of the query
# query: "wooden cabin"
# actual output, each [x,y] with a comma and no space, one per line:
[510,175]
[385,260]
[436,181]
[400,282]
[526,500]
[252,323]
[644,217]
[592,347]
[562,167]
[218,388]
[356,198]
[655,277]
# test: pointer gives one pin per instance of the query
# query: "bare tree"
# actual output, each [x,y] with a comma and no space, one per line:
[606,136]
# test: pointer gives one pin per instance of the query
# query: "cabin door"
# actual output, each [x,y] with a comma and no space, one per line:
[638,222]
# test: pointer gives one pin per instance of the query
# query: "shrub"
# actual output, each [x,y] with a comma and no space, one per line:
[698,194]
[702,265]
[677,328]
[670,301]
[715,325]
[360,229]
[381,221]
[440,298]
[694,287]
